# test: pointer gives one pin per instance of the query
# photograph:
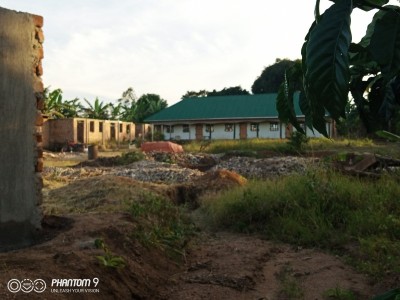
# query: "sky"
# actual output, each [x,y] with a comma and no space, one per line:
[99,48]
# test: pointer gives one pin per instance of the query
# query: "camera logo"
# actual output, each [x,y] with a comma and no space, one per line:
[26,285]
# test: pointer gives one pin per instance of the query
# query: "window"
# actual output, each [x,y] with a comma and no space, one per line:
[128,128]
[209,128]
[120,128]
[273,126]
[157,128]
[169,129]
[185,128]
[254,127]
[100,126]
[228,127]
[91,125]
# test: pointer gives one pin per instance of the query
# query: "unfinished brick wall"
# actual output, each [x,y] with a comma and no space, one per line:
[21,99]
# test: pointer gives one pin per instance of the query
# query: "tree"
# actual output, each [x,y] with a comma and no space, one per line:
[56,108]
[98,110]
[332,66]
[271,77]
[72,108]
[115,111]
[128,97]
[147,105]
[235,90]
[128,105]
[193,94]
[231,91]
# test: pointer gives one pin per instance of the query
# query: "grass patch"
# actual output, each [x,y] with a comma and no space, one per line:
[339,294]
[320,209]
[283,146]
[249,145]
[60,163]
[290,287]
[161,224]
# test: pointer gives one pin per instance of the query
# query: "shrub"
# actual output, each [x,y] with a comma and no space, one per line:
[320,208]
[130,157]
[163,225]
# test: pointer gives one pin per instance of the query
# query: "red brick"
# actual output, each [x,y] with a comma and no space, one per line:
[40,104]
[40,53]
[39,69]
[39,138]
[39,35]
[37,20]
[39,181]
[40,152]
[39,165]
[38,86]
[39,118]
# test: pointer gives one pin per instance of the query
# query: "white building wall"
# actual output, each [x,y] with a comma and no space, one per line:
[178,133]
[266,133]
[237,129]
[250,134]
[220,133]
[316,133]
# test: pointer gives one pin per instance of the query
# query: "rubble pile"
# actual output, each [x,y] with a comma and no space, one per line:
[264,168]
[155,171]
[170,168]
[73,173]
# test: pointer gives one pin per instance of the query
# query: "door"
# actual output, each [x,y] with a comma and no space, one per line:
[288,130]
[80,135]
[199,131]
[112,131]
[243,131]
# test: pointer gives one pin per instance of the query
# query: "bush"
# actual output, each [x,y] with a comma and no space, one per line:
[129,157]
[297,141]
[322,209]
[163,225]
[157,136]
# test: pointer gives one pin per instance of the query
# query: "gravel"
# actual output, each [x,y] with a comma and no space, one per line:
[181,168]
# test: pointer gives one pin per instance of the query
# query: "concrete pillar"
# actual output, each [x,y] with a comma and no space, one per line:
[21,99]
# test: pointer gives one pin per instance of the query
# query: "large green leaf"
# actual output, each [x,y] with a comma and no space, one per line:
[384,40]
[327,64]
[285,105]
[306,110]
[367,5]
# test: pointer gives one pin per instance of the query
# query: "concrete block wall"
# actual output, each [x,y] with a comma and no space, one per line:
[21,101]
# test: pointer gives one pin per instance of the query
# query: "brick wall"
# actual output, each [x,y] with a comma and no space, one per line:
[58,132]
[21,98]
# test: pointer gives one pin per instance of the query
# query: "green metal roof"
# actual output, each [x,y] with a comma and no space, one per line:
[221,107]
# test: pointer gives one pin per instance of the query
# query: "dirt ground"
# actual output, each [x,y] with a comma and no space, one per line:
[217,265]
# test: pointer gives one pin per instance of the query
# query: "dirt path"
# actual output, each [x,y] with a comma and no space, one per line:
[232,266]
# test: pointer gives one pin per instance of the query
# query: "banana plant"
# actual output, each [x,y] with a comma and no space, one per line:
[57,108]
[53,104]
[332,67]
[97,110]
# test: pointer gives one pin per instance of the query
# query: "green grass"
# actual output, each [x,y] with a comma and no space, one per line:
[222,146]
[320,209]
[161,224]
[281,146]
[290,287]
[339,294]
